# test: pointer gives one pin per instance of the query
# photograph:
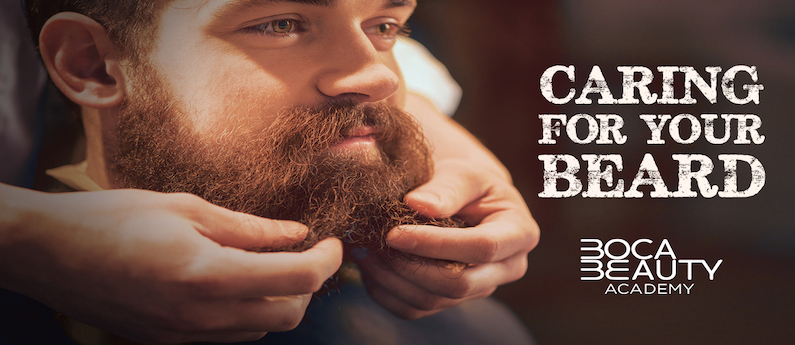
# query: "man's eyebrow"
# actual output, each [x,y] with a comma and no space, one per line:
[398,3]
[237,6]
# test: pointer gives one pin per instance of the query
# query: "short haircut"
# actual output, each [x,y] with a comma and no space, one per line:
[130,24]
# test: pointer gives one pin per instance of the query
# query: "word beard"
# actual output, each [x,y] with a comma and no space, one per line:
[287,171]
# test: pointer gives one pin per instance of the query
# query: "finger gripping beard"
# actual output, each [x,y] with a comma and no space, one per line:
[349,195]
[288,170]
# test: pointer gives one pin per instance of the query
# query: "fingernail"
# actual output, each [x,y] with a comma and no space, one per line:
[427,198]
[294,229]
[400,239]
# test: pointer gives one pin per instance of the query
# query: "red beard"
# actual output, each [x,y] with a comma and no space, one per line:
[287,171]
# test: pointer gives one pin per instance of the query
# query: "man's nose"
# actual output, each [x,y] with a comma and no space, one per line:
[355,69]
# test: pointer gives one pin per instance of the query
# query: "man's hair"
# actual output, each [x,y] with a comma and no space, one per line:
[130,23]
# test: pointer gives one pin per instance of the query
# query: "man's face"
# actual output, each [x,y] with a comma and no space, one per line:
[300,126]
[235,63]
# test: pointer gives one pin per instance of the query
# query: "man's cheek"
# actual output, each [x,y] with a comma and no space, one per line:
[231,102]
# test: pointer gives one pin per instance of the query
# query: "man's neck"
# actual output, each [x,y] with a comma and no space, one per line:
[94,123]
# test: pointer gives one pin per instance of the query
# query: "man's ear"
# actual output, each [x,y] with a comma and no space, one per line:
[82,60]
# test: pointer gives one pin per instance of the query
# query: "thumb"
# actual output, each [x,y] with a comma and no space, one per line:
[245,231]
[452,187]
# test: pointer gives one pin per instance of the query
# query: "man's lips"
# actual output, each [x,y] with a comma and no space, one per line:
[361,137]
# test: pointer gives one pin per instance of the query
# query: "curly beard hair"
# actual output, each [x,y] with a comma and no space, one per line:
[284,171]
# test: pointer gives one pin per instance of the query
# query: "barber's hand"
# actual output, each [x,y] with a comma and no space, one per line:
[161,267]
[496,249]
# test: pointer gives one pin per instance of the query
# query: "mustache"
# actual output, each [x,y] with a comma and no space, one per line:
[316,129]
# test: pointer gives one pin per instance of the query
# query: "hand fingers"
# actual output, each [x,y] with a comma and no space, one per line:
[234,320]
[235,272]
[245,231]
[273,314]
[222,337]
[417,297]
[169,337]
[390,302]
[488,242]
[265,314]
[456,283]
[505,228]
[453,186]
[240,230]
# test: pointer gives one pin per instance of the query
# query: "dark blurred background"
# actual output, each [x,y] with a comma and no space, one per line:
[497,50]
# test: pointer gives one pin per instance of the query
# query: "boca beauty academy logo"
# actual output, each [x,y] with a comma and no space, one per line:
[610,260]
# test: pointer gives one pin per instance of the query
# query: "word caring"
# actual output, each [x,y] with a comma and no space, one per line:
[561,180]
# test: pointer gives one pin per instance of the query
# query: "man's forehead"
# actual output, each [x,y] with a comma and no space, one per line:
[242,5]
[387,3]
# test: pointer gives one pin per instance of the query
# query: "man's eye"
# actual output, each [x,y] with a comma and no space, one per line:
[385,29]
[390,30]
[278,27]
[282,26]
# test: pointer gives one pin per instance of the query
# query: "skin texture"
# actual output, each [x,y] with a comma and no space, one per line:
[178,290]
